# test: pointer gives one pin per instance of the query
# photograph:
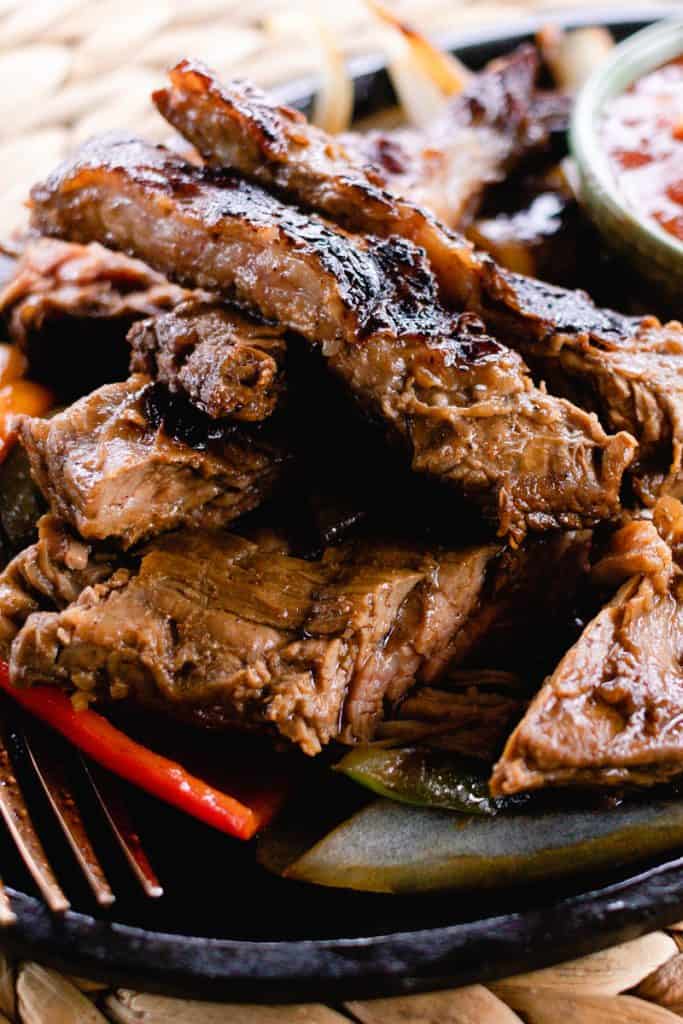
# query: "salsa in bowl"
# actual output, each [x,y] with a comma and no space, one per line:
[627,139]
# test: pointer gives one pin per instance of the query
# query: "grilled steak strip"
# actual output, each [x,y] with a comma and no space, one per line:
[50,574]
[227,364]
[69,306]
[610,714]
[224,631]
[238,126]
[109,467]
[464,404]
[630,370]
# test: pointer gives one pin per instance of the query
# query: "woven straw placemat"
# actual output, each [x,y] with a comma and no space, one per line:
[639,982]
[70,68]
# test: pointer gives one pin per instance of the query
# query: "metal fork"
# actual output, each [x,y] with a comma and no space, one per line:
[47,769]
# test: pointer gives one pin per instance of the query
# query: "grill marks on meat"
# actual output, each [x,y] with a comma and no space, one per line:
[610,714]
[224,631]
[465,404]
[51,573]
[237,126]
[111,473]
[240,241]
[630,370]
[68,306]
[226,364]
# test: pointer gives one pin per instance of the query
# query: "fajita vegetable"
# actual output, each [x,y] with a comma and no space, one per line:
[163,778]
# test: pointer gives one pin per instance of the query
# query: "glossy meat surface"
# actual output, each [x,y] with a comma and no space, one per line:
[464,405]
[227,632]
[610,714]
[630,370]
[225,363]
[111,470]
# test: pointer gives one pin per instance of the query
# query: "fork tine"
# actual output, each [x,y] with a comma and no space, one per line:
[107,791]
[15,813]
[52,776]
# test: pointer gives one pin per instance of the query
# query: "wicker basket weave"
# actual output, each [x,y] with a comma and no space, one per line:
[70,68]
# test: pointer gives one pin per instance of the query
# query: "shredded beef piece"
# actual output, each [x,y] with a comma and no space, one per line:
[111,470]
[51,573]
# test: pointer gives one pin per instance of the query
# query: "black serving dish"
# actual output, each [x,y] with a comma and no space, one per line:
[227,929]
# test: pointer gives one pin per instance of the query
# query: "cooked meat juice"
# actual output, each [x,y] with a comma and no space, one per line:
[643,135]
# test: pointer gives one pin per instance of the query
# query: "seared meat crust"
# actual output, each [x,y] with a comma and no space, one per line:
[238,126]
[227,364]
[465,405]
[110,472]
[629,369]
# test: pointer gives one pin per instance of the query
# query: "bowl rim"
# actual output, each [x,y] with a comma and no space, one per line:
[636,56]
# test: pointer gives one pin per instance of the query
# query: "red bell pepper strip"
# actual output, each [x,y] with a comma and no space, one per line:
[163,778]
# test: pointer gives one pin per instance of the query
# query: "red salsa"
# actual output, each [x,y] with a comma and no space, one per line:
[643,134]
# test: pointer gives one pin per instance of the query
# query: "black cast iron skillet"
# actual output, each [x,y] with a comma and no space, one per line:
[226,929]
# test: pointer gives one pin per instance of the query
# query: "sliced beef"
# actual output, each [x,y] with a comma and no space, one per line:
[441,600]
[51,573]
[69,306]
[627,368]
[611,713]
[237,126]
[225,631]
[497,121]
[110,467]
[463,403]
[227,364]
[634,383]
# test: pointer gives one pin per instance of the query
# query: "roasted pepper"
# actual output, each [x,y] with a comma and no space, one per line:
[158,775]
